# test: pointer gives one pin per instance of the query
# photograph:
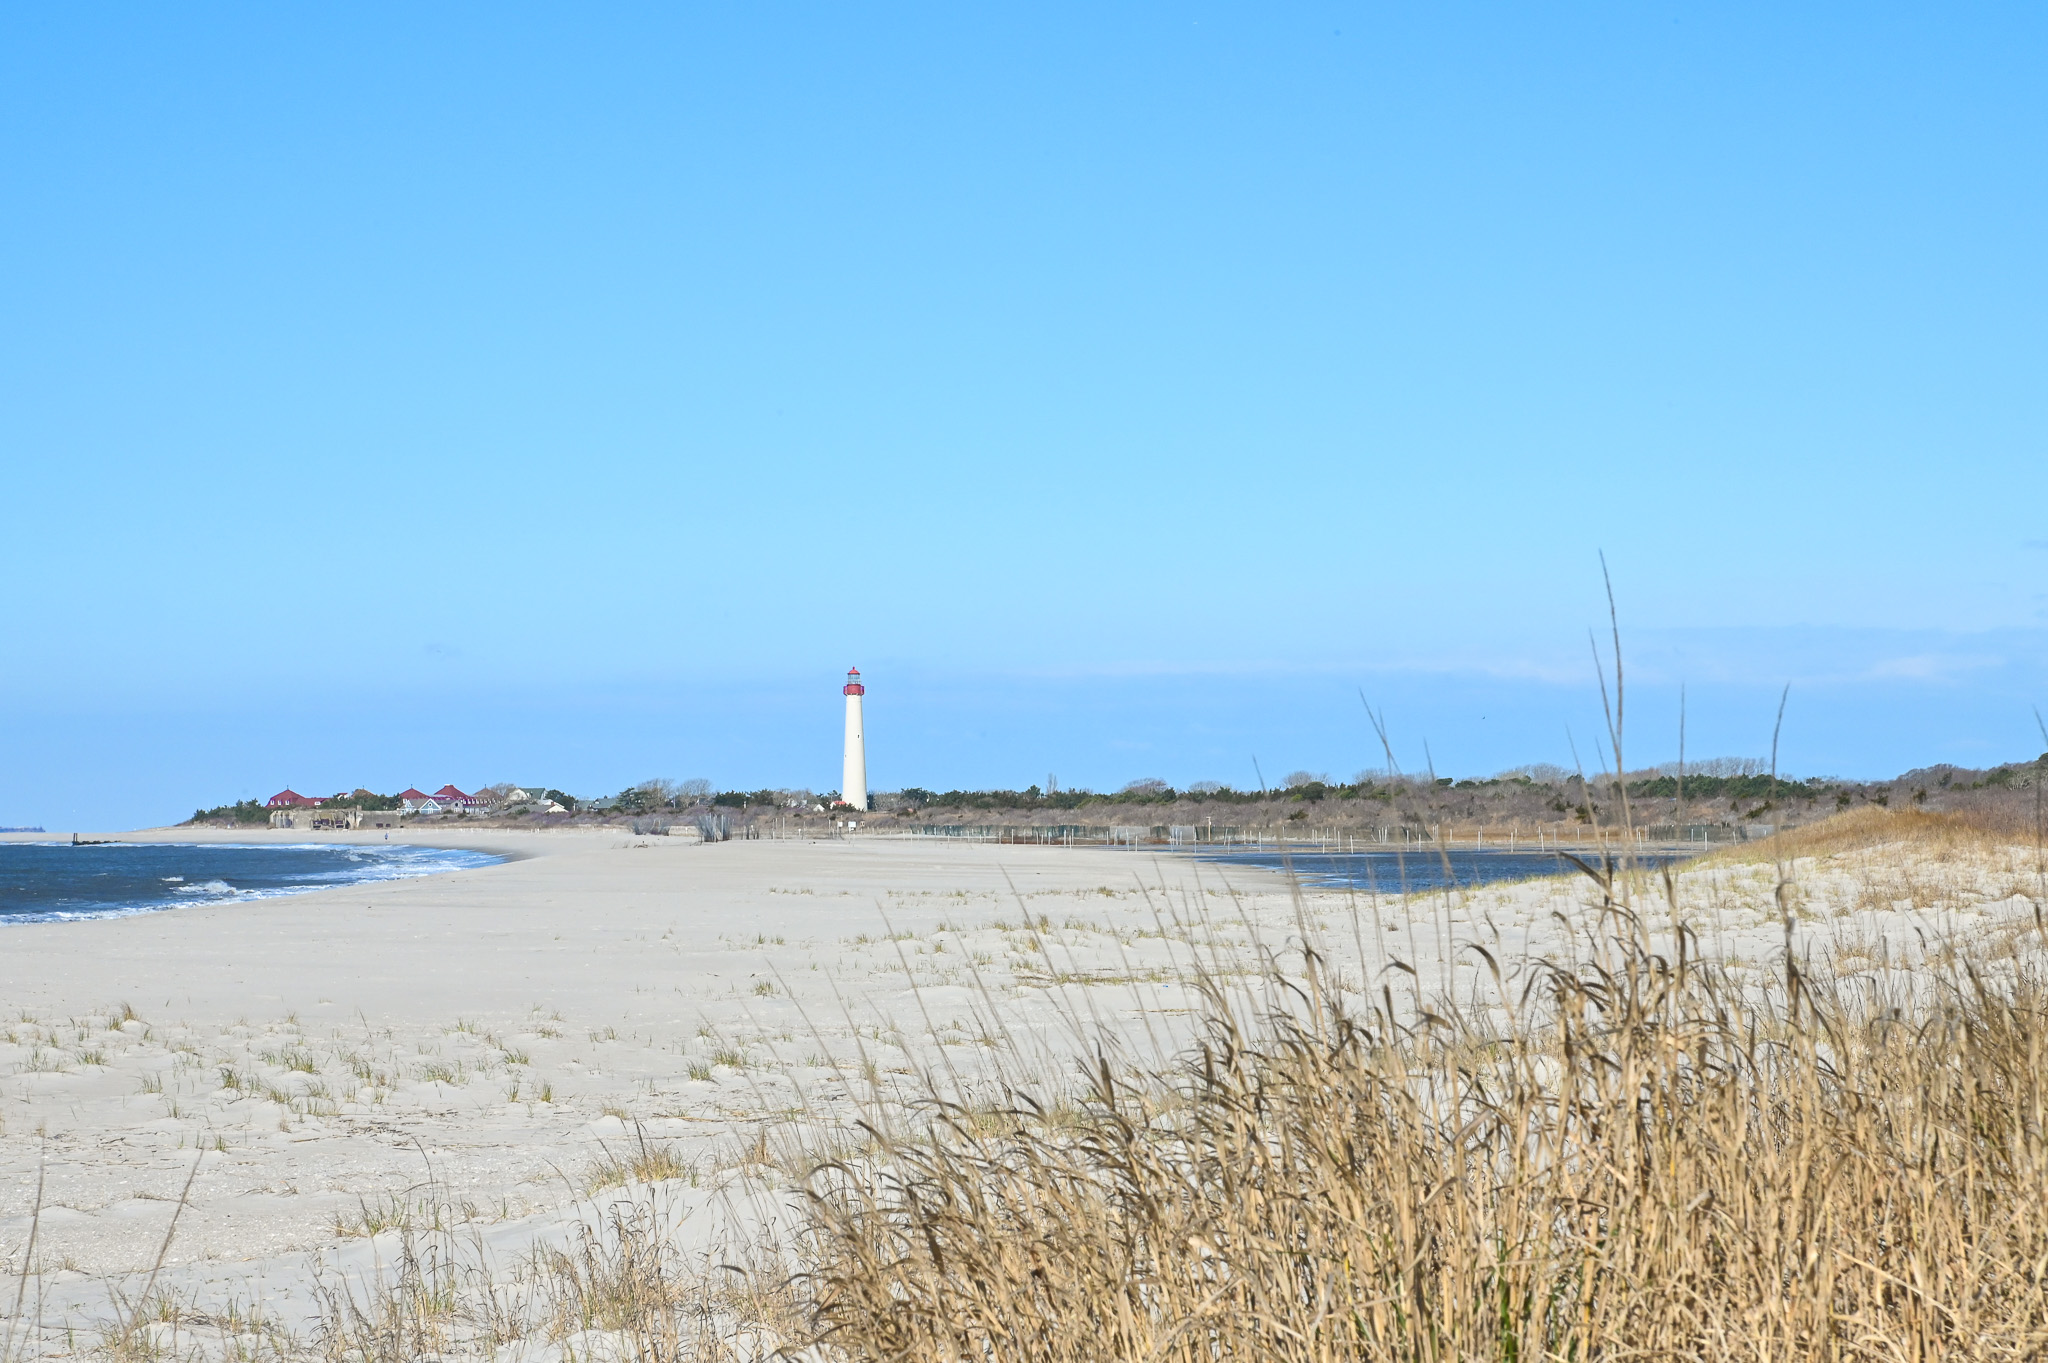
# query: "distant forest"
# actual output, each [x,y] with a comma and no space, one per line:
[1723,790]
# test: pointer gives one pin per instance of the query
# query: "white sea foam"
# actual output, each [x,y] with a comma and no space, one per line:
[211,887]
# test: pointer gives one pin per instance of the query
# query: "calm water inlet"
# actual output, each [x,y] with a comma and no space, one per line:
[1418,868]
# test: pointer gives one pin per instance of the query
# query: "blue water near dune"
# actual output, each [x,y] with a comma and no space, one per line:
[45,881]
[1419,868]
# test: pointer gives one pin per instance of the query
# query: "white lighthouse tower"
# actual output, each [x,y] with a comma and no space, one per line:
[853,789]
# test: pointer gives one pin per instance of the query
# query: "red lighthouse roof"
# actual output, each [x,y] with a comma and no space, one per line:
[853,686]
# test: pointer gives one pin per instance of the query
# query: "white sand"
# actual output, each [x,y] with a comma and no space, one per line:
[487,1037]
[485,1029]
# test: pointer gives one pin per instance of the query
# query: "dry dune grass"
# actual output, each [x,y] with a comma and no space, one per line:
[1871,826]
[1644,1162]
[1928,863]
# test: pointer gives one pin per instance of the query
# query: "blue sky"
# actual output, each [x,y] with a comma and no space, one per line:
[504,393]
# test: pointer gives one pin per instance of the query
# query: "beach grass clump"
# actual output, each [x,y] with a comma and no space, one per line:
[427,1302]
[1631,1157]
[621,1287]
[296,1060]
[409,1212]
[44,1060]
[441,1072]
[648,1162]
[624,1289]
[367,1074]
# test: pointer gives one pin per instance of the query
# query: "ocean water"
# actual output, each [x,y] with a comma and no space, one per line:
[1416,868]
[44,881]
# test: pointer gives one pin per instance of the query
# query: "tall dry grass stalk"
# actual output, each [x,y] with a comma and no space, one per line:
[1636,1157]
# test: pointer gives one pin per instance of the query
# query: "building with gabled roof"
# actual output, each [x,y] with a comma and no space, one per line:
[448,799]
[290,799]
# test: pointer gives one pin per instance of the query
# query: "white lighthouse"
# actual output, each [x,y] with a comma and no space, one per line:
[853,789]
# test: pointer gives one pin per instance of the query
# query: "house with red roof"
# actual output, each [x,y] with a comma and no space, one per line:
[449,799]
[290,799]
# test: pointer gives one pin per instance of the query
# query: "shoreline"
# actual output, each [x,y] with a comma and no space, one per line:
[58,882]
[177,835]
[509,1024]
[513,845]
[506,1029]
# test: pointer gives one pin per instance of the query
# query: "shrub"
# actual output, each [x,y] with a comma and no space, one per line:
[242,811]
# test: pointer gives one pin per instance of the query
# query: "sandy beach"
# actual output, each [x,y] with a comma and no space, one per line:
[491,1039]
[492,1033]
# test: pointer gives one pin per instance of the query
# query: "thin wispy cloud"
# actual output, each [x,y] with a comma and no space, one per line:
[1942,667]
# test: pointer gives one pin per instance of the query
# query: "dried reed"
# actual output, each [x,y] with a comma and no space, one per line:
[1632,1158]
